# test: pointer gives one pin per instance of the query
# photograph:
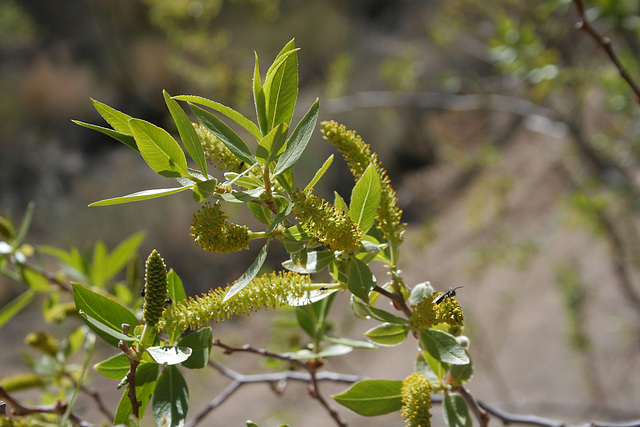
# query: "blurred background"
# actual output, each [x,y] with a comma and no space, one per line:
[509,136]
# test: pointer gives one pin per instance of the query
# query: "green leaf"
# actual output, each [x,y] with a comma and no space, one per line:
[115,367]
[248,275]
[298,140]
[364,345]
[281,89]
[161,152]
[104,310]
[146,376]
[260,212]
[460,374]
[340,203]
[272,145]
[140,195]
[364,311]
[320,172]
[279,219]
[455,411]
[426,367]
[169,355]
[127,140]
[229,112]
[175,288]
[241,196]
[36,281]
[361,279]
[187,133]
[388,334]
[200,342]
[331,351]
[365,199]
[9,310]
[372,397]
[202,190]
[286,180]
[316,261]
[117,119]
[443,347]
[259,100]
[104,331]
[224,133]
[171,398]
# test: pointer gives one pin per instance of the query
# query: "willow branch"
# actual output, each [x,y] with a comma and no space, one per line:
[396,298]
[58,408]
[605,43]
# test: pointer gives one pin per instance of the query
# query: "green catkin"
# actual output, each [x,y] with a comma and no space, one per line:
[359,156]
[325,222]
[216,152]
[213,233]
[43,341]
[270,290]
[426,314]
[61,312]
[155,288]
[416,400]
[22,381]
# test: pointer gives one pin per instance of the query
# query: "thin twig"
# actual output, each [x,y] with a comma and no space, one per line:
[605,43]
[312,377]
[397,299]
[58,408]
[479,412]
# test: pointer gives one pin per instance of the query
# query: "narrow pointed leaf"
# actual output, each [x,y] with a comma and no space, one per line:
[282,55]
[248,275]
[140,195]
[127,140]
[299,139]
[121,255]
[281,89]
[319,174]
[171,398]
[187,133]
[372,397]
[365,199]
[258,99]
[161,152]
[227,111]
[104,331]
[117,119]
[224,133]
[443,347]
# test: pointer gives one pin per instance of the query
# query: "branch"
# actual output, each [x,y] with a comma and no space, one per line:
[277,380]
[605,43]
[396,298]
[58,408]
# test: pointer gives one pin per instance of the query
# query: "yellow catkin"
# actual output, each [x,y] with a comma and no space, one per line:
[270,290]
[416,400]
[326,223]
[359,156]
[211,231]
[426,314]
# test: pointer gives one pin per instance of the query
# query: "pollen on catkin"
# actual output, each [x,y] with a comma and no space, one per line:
[416,400]
[216,152]
[155,289]
[426,314]
[213,233]
[269,290]
[43,341]
[325,222]
[359,156]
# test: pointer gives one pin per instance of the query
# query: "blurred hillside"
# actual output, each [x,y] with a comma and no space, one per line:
[508,134]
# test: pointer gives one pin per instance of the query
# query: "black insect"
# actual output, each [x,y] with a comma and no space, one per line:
[450,293]
[324,288]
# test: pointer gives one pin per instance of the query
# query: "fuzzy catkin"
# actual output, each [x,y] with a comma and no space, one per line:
[155,288]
